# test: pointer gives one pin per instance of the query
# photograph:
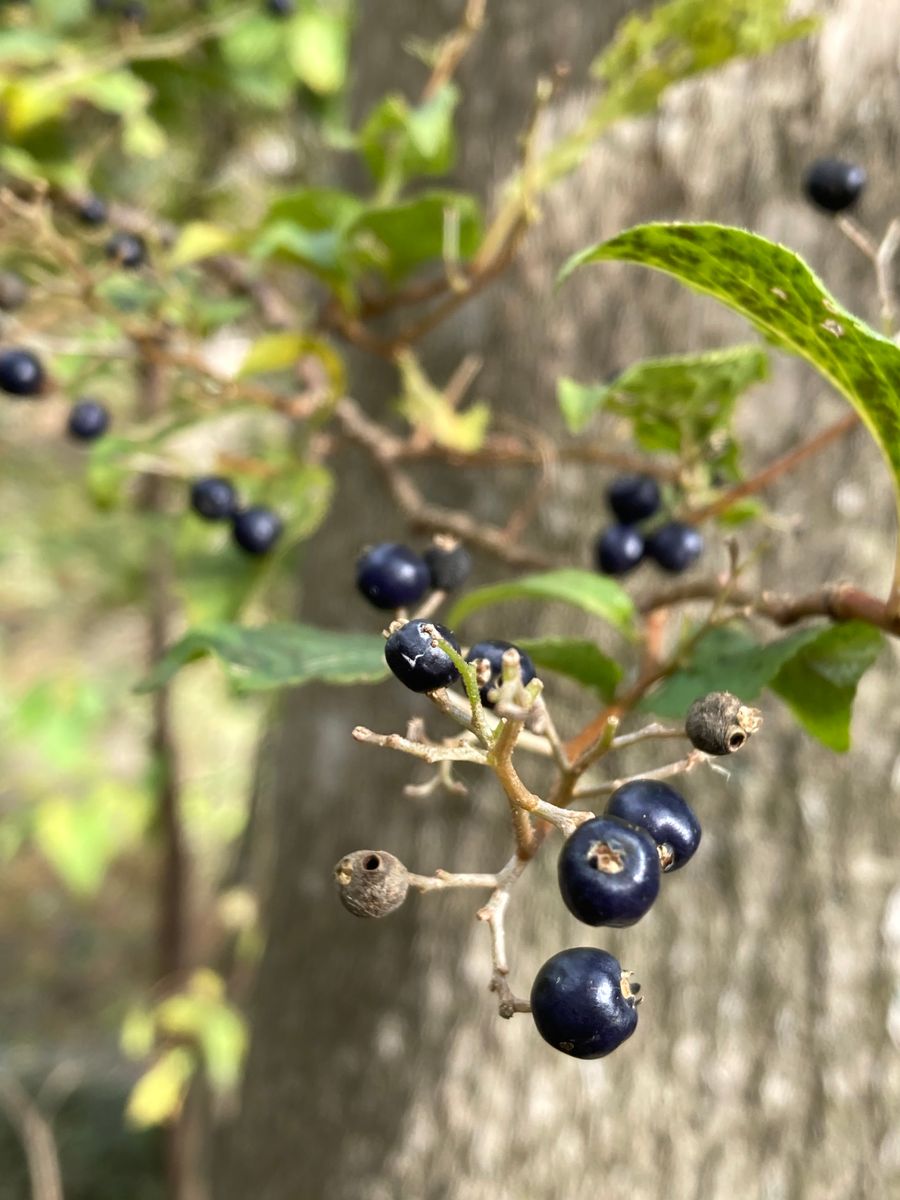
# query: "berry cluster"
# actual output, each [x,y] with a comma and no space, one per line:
[632,500]
[610,866]
[393,576]
[255,529]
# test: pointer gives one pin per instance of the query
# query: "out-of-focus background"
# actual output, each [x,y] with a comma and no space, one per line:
[328,1058]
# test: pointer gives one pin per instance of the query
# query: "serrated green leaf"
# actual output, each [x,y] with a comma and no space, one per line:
[397,238]
[777,292]
[276,656]
[819,683]
[594,594]
[675,403]
[577,659]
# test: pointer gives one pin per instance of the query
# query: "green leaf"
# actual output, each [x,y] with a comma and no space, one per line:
[594,594]
[399,142]
[814,670]
[777,292]
[675,403]
[428,410]
[159,1094]
[400,237]
[273,352]
[199,240]
[683,38]
[317,50]
[819,682]
[577,659]
[80,838]
[275,656]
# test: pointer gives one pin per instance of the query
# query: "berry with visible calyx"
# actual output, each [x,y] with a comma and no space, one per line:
[619,550]
[608,872]
[633,498]
[663,813]
[21,373]
[675,546]
[256,529]
[92,210]
[833,185]
[88,420]
[280,8]
[392,576]
[493,652]
[417,660]
[449,564]
[583,1003]
[214,498]
[128,250]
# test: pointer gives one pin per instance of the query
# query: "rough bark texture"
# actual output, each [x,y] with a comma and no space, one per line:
[766,1062]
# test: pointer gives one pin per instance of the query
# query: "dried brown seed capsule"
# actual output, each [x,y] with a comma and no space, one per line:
[720,723]
[372,883]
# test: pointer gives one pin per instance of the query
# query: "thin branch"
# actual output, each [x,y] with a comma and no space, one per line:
[654,730]
[37,1139]
[441,880]
[454,48]
[836,601]
[428,751]
[781,466]
[695,759]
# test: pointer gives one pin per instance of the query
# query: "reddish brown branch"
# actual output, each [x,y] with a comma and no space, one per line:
[781,466]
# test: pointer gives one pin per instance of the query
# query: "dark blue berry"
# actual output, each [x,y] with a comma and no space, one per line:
[129,250]
[582,1003]
[448,566]
[665,815]
[493,652]
[608,872]
[280,8]
[91,210]
[88,420]
[21,373]
[619,550]
[256,530]
[633,498]
[833,185]
[417,662]
[675,546]
[392,576]
[213,498]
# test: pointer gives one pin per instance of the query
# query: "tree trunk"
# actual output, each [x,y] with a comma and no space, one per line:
[764,1064]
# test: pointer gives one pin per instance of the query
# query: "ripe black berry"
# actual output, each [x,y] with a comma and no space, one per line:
[608,872]
[129,250]
[21,373]
[675,546]
[582,1003]
[493,652]
[833,185]
[256,530]
[665,815]
[280,8]
[213,498]
[633,498]
[88,420]
[449,564]
[392,576]
[91,210]
[619,550]
[414,658]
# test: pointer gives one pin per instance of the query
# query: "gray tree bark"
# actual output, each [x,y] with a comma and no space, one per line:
[766,1062]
